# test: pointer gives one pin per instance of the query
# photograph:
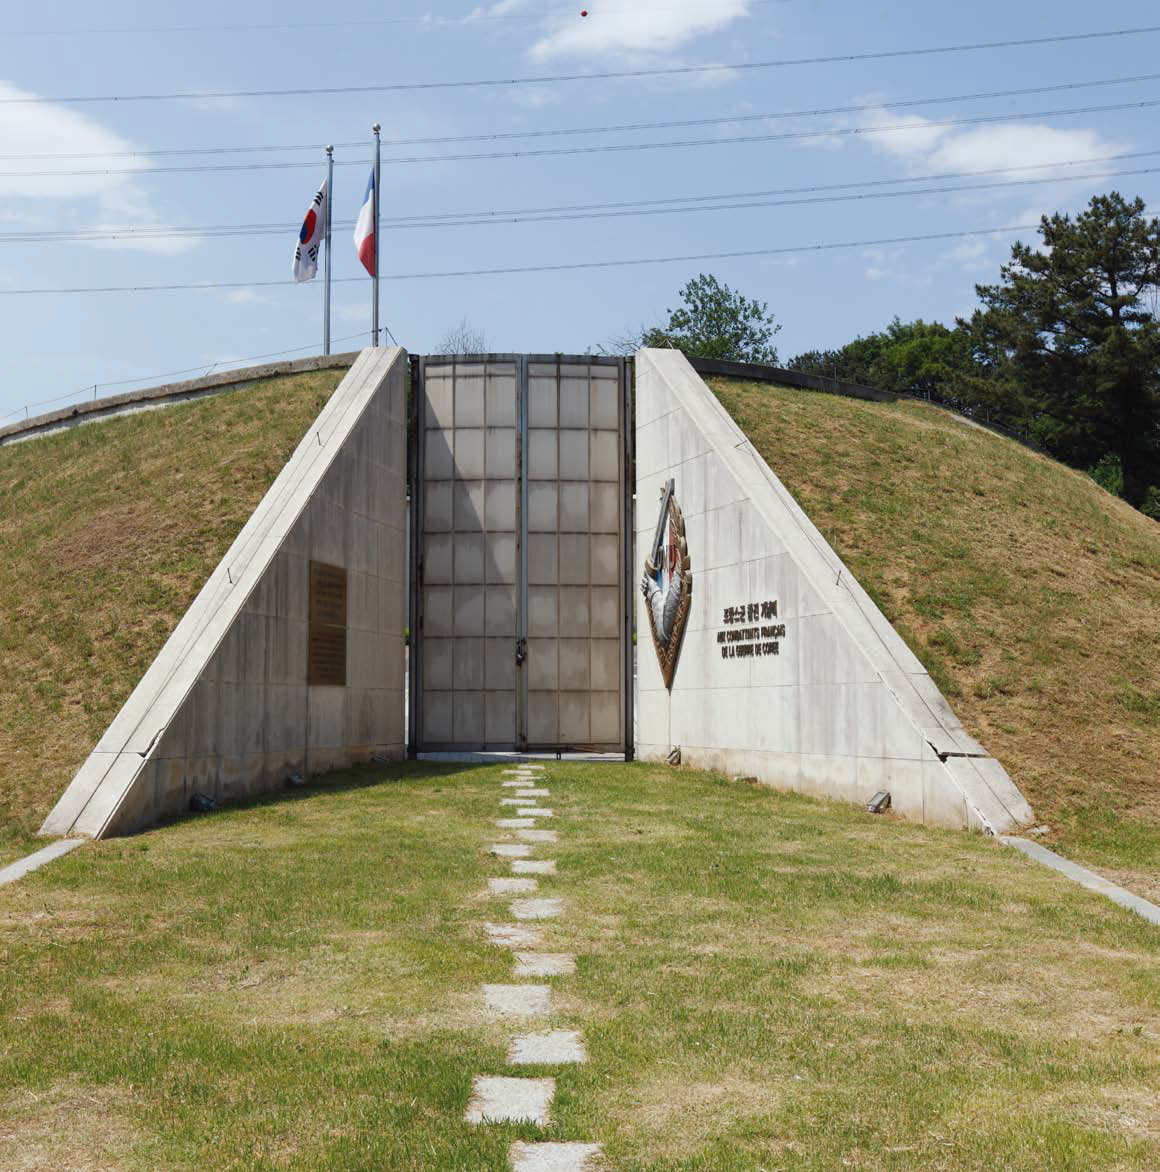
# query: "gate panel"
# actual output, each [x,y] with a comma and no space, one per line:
[469,568]
[575,493]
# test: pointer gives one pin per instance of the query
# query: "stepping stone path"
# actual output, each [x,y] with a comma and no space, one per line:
[511,886]
[537,835]
[553,1157]
[536,909]
[518,1000]
[544,964]
[502,1099]
[511,850]
[514,935]
[533,866]
[510,1100]
[554,1047]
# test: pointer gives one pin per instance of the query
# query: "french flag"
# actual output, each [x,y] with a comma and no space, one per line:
[364,230]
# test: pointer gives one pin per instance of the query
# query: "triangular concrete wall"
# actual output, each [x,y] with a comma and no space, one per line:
[844,709]
[225,709]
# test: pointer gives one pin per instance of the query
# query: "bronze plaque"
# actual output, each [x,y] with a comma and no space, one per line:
[327,647]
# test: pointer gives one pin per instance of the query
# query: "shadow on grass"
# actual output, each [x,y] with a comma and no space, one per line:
[327,785]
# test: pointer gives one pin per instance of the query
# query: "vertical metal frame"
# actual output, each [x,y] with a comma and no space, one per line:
[628,526]
[522,549]
[416,461]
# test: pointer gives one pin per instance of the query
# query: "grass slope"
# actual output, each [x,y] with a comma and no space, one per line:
[763,982]
[1031,595]
[108,533]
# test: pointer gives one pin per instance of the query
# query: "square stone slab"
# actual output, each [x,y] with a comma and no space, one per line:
[547,1049]
[514,935]
[533,866]
[510,1100]
[536,909]
[544,964]
[518,1000]
[510,850]
[514,823]
[534,793]
[537,812]
[511,886]
[537,835]
[572,1157]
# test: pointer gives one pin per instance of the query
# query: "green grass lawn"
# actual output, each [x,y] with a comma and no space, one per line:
[763,982]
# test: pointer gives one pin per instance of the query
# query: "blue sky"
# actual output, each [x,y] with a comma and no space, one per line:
[55,345]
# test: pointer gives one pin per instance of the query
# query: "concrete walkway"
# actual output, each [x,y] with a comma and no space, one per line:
[508,1098]
[1085,878]
[37,859]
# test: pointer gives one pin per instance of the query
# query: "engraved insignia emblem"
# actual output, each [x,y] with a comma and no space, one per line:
[668,584]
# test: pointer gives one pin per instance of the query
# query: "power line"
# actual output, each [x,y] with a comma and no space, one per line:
[612,75]
[603,148]
[597,11]
[491,215]
[616,128]
[735,202]
[551,268]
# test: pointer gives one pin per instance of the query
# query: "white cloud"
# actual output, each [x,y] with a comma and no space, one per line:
[246,297]
[925,146]
[894,264]
[502,8]
[89,201]
[972,255]
[628,30]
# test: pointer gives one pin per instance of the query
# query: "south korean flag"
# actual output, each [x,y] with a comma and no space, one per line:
[310,238]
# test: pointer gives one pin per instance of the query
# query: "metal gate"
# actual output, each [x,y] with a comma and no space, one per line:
[520,606]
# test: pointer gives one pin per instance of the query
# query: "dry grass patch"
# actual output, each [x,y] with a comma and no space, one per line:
[68,1128]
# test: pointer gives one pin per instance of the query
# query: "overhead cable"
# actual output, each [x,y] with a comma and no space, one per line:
[611,75]
[530,269]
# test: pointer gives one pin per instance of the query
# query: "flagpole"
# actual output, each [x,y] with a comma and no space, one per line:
[326,262]
[375,285]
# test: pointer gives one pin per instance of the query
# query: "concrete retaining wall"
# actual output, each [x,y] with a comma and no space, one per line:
[167,395]
[843,709]
[225,709]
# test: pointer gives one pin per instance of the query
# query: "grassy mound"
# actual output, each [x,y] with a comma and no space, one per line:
[108,533]
[762,981]
[1031,595]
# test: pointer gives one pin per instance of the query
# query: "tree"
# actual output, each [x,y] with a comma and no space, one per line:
[910,358]
[1072,327]
[463,338]
[716,322]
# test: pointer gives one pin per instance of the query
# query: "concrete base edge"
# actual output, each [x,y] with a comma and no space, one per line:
[1085,878]
[38,859]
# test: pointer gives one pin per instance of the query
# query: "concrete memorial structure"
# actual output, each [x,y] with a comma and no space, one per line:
[290,660]
[759,653]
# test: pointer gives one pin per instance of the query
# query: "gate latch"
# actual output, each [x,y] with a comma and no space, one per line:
[521,651]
